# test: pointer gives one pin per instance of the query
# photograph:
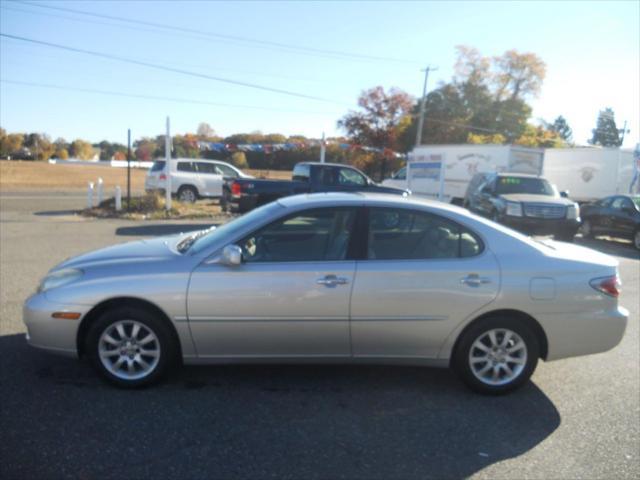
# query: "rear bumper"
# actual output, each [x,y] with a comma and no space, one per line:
[54,335]
[542,226]
[571,335]
[241,204]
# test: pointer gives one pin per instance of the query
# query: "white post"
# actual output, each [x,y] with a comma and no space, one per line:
[323,149]
[100,185]
[118,198]
[167,156]
[90,195]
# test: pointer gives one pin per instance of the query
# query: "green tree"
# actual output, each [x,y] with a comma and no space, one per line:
[606,132]
[562,128]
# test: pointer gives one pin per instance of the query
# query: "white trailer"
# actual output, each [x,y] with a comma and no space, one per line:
[444,171]
[590,173]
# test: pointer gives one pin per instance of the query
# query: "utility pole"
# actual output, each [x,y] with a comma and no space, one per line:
[624,131]
[323,149]
[422,103]
[128,170]
[167,159]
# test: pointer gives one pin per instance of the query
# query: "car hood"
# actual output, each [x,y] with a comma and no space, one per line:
[141,250]
[529,198]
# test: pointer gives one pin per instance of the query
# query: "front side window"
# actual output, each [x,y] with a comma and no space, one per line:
[313,235]
[400,234]
[401,174]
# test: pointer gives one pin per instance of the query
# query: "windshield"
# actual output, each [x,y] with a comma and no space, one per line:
[636,200]
[230,229]
[533,186]
[157,166]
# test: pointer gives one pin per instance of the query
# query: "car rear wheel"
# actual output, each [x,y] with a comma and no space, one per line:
[130,347]
[187,194]
[496,355]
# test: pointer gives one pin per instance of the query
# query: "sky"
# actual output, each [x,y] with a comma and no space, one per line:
[591,49]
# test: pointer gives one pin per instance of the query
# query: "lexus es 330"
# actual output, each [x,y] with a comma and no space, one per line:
[333,278]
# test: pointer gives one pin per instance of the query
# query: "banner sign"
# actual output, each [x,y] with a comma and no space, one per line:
[278,147]
[429,170]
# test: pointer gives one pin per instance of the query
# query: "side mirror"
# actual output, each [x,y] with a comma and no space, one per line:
[231,256]
[564,194]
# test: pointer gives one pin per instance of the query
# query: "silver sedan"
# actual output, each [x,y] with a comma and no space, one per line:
[333,278]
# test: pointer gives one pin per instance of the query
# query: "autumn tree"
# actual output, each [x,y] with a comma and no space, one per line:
[10,143]
[239,159]
[381,120]
[606,132]
[146,149]
[539,137]
[81,149]
[205,132]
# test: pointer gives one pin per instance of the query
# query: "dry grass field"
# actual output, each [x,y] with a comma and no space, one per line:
[16,175]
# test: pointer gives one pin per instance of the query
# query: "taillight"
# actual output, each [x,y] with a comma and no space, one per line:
[236,189]
[162,176]
[607,285]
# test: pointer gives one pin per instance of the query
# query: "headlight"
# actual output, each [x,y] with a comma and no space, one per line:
[59,278]
[514,209]
[573,211]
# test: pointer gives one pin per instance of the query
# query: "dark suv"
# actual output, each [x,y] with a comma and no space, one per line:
[523,202]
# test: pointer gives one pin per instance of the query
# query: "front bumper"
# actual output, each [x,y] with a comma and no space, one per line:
[52,334]
[542,226]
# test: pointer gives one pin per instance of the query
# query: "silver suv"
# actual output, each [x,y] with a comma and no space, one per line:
[192,178]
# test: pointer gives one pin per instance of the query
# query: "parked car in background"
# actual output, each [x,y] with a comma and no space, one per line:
[614,216]
[192,178]
[242,195]
[337,277]
[524,202]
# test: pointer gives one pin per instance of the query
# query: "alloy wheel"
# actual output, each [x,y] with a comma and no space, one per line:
[128,349]
[498,356]
[187,195]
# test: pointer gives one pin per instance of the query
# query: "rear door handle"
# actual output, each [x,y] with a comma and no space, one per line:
[474,280]
[331,281]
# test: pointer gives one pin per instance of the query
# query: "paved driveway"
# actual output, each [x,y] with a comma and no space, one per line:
[579,418]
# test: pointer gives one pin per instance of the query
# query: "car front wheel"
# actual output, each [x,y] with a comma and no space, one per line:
[130,347]
[187,194]
[496,355]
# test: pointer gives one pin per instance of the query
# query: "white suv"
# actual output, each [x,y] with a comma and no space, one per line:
[192,178]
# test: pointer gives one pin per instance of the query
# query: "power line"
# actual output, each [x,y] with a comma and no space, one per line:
[268,43]
[152,97]
[166,68]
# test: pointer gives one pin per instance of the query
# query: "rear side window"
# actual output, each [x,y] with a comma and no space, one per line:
[186,167]
[301,173]
[400,234]
[227,171]
[157,166]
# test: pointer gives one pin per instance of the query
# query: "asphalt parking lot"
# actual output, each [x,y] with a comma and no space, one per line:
[578,418]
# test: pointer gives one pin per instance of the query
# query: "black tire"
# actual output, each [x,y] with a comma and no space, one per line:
[565,237]
[636,239]
[187,194]
[586,229]
[166,346]
[461,360]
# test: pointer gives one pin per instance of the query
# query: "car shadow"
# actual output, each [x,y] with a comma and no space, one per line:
[57,213]
[257,422]
[159,229]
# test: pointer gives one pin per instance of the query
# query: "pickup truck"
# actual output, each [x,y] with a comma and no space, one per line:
[241,194]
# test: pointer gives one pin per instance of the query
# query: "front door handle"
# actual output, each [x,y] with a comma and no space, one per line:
[331,281]
[474,280]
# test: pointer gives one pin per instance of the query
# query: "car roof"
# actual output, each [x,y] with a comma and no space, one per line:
[365,199]
[518,175]
[326,164]
[183,159]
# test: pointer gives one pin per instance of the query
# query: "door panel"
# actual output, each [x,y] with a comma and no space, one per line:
[407,308]
[271,309]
